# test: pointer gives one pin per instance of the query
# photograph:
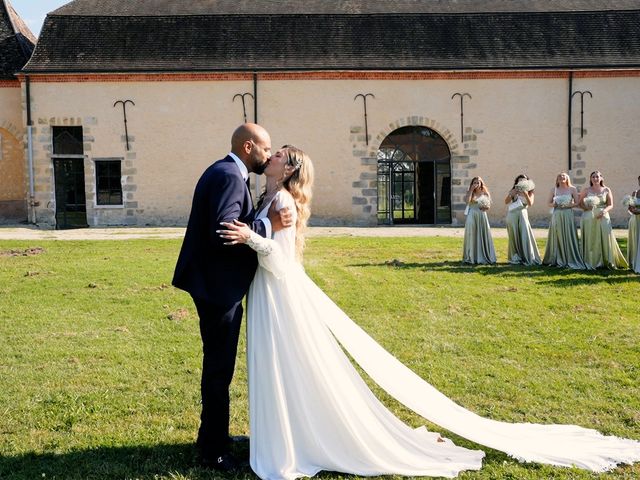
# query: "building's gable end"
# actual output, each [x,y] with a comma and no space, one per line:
[16,41]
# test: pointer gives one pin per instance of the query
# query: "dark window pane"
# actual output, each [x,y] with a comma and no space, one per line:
[67,141]
[108,183]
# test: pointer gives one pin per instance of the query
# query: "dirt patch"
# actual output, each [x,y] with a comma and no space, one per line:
[27,252]
[178,315]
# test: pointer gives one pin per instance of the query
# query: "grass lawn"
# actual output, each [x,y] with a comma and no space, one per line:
[100,357]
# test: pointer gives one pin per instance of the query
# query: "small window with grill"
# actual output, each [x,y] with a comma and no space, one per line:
[108,182]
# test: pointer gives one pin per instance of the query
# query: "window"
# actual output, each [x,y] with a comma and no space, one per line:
[67,141]
[108,182]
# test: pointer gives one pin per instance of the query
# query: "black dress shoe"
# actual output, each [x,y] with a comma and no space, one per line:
[222,463]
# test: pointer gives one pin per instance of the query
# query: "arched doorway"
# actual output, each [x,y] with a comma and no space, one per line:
[414,178]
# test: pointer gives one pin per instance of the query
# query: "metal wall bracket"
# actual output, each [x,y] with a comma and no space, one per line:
[124,112]
[461,95]
[366,124]
[581,93]
[244,107]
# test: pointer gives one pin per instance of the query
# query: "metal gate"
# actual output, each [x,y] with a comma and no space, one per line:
[414,178]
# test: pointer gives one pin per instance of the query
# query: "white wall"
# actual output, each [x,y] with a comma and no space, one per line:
[180,127]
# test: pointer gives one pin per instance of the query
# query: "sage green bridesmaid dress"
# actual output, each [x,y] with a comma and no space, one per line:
[599,245]
[522,245]
[478,245]
[633,244]
[563,248]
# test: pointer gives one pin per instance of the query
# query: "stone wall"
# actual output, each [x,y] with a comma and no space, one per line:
[13,186]
[515,122]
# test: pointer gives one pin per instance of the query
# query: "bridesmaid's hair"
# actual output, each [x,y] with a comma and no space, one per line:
[520,177]
[601,181]
[569,184]
[299,185]
[483,187]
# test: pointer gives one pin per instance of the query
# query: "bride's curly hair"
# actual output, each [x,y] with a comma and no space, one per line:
[299,185]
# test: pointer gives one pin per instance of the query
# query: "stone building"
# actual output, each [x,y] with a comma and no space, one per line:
[398,102]
[16,45]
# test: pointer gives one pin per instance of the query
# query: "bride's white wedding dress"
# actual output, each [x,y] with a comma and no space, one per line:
[310,410]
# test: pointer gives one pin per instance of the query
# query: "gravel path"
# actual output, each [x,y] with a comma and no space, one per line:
[125,233]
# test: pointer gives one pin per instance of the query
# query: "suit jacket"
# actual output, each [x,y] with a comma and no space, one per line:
[206,268]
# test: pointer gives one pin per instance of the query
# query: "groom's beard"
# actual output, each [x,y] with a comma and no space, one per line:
[259,169]
[257,166]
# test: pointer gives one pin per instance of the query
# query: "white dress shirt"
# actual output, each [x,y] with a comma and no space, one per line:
[245,175]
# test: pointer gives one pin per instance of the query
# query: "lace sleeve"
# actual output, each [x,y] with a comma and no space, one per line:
[261,245]
[270,255]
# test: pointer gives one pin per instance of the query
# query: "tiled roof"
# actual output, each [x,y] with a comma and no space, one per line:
[242,35]
[16,41]
[329,7]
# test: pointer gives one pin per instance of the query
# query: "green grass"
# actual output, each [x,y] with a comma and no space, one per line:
[100,358]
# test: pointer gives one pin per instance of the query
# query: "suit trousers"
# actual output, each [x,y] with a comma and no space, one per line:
[220,330]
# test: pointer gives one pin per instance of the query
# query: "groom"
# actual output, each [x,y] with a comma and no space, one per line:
[218,278]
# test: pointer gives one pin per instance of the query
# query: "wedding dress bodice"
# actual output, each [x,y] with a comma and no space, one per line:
[278,254]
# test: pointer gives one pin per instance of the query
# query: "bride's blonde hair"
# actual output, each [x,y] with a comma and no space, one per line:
[299,185]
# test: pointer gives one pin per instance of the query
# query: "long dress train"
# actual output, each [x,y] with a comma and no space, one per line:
[310,410]
[563,248]
[599,245]
[522,247]
[478,245]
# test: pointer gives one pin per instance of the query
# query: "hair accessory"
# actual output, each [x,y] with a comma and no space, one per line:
[296,162]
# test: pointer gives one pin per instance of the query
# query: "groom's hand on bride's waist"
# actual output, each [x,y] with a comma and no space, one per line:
[280,219]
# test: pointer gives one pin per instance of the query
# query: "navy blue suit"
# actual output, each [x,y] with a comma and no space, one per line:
[217,276]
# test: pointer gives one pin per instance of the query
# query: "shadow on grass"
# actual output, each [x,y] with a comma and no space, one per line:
[139,462]
[542,275]
[153,463]
[143,463]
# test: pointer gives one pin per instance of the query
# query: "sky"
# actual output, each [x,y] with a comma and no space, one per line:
[34,11]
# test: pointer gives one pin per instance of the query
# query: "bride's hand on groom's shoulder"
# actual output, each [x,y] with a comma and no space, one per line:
[280,219]
[236,232]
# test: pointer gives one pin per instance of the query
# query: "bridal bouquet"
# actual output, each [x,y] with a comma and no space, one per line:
[590,201]
[525,185]
[483,201]
[563,201]
[629,201]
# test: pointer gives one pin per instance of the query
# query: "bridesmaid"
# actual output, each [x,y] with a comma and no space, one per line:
[478,244]
[563,249]
[599,245]
[522,245]
[633,245]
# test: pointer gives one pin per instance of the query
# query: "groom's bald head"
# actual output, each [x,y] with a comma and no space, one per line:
[252,144]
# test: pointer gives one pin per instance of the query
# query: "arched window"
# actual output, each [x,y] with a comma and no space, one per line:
[414,177]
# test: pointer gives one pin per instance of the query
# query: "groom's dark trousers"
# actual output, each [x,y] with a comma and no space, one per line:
[217,277]
[220,329]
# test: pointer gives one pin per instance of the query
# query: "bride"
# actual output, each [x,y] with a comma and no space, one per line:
[309,408]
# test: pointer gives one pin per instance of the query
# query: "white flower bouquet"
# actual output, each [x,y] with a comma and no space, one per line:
[484,202]
[629,201]
[525,185]
[563,201]
[590,201]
